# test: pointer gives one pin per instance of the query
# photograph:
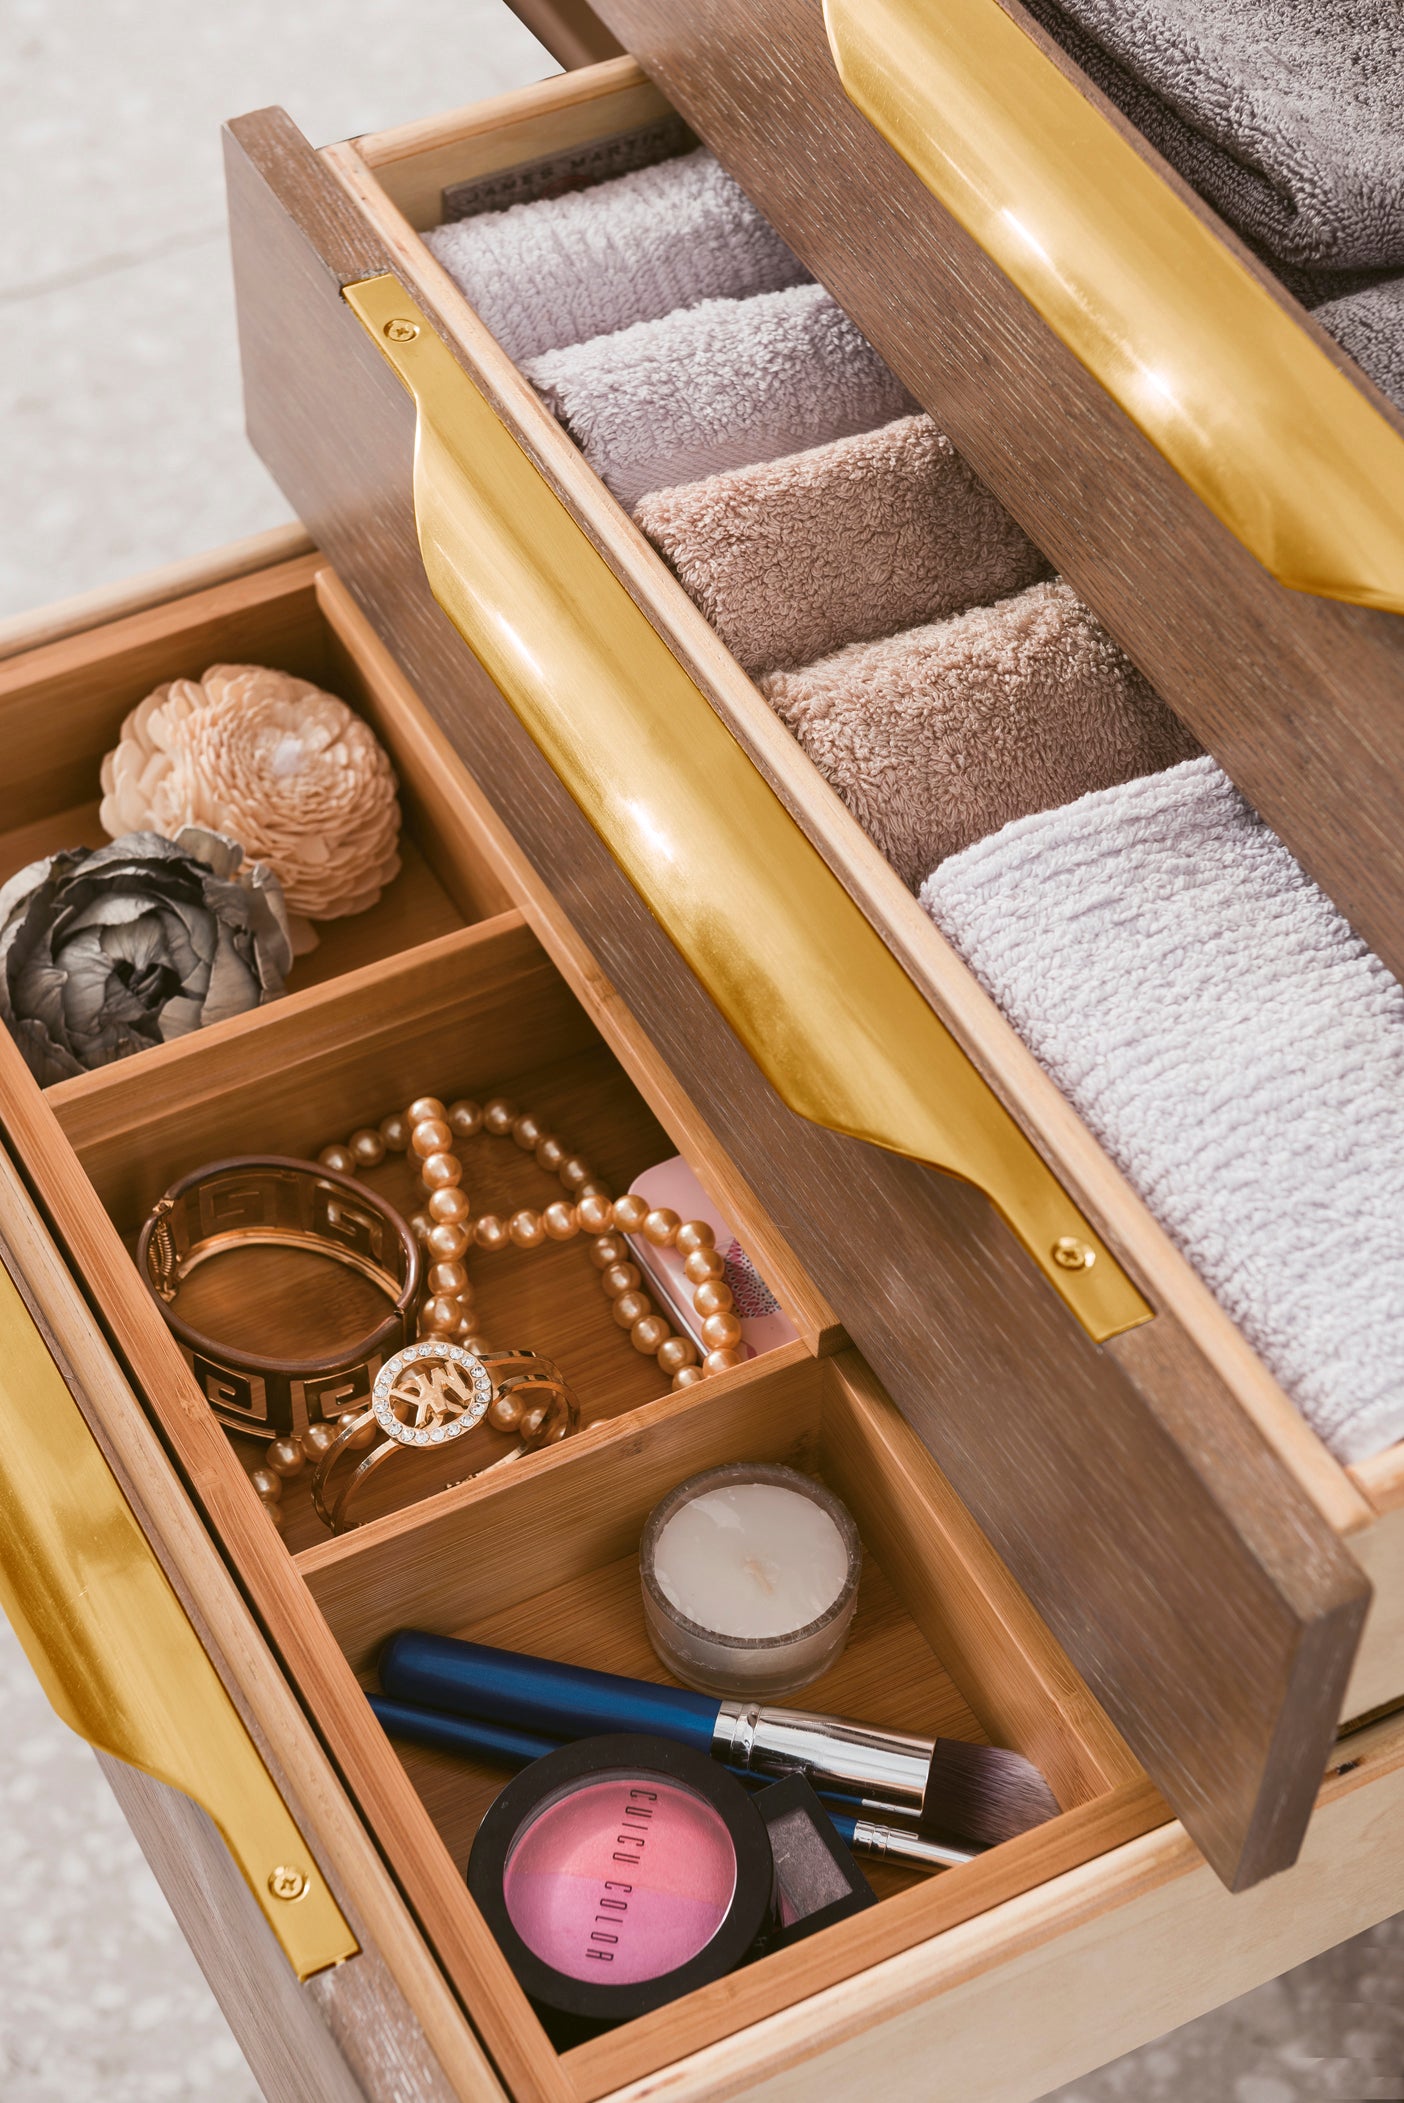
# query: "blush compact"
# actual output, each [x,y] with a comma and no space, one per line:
[618,1873]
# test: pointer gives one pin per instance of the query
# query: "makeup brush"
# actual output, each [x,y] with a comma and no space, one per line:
[472,1738]
[978,1794]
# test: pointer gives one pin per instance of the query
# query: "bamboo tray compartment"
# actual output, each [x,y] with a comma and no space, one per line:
[1169,1433]
[548,1562]
[1048,1954]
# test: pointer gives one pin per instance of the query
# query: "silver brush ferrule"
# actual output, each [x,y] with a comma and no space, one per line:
[887,1767]
[914,1850]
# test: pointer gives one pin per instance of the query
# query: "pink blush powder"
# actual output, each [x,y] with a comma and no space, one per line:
[621,1880]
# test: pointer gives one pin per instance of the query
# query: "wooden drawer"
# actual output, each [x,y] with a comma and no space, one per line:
[1190,1542]
[130,1523]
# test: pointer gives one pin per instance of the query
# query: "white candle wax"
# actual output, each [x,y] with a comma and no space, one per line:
[751,1560]
[750,1577]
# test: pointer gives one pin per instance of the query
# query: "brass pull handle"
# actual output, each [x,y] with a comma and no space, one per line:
[1286,452]
[809,988]
[113,1647]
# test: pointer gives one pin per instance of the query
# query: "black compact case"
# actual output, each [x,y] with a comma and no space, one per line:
[611,1875]
[817,1881]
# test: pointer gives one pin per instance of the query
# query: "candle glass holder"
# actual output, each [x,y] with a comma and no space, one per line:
[767,1547]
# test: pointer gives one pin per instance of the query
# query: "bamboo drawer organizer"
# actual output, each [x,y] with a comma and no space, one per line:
[404,1987]
[447,985]
[1165,1434]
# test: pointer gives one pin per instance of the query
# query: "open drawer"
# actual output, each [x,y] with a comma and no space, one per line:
[1146,1481]
[1000,1965]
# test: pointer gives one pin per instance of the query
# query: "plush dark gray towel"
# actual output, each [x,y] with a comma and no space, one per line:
[1370,325]
[1287,115]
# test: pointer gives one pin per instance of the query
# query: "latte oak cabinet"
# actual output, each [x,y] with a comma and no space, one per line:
[1097,1531]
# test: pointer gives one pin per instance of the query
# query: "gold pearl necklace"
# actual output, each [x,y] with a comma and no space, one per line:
[448,1230]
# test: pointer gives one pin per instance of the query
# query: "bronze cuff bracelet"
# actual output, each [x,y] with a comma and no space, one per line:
[276,1201]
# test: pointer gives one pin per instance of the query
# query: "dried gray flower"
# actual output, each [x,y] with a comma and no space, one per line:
[104,951]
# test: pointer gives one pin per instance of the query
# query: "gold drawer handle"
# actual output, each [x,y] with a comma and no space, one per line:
[808,986]
[1286,452]
[113,1647]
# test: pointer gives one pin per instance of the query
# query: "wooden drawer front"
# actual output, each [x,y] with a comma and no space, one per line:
[1291,692]
[107,1575]
[1170,1513]
[996,1971]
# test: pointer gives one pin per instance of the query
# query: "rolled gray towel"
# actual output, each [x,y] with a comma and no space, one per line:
[845,542]
[564,269]
[1237,1050]
[720,385]
[942,734]
[1287,115]
[1370,325]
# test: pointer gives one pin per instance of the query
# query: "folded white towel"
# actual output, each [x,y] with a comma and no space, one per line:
[1237,1050]
[723,384]
[564,269]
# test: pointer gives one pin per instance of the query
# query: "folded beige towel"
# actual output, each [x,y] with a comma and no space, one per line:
[715,386]
[851,540]
[942,734]
[564,269]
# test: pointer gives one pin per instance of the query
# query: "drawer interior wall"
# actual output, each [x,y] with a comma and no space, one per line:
[542,1554]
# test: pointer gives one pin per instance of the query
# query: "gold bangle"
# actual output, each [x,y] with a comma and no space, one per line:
[274,1200]
[436,1391]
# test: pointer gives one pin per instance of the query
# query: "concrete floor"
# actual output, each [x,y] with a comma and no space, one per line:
[123,448]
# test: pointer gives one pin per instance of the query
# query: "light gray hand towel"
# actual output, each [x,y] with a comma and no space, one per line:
[564,269]
[1236,1048]
[849,541]
[720,385]
[942,734]
[1370,325]
[1287,115]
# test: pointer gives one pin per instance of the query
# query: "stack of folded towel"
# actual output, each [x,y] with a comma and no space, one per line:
[1238,1051]
[1236,1048]
[896,616]
[1288,116]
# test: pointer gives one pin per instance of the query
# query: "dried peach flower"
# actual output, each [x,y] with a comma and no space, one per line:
[290,772]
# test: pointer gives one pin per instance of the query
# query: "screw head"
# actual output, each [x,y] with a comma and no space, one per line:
[401,330]
[1070,1254]
[286,1882]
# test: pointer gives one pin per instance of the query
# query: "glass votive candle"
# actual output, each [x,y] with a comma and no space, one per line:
[750,1577]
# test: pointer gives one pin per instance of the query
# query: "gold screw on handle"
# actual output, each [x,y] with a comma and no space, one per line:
[1070,1254]
[401,330]
[287,1883]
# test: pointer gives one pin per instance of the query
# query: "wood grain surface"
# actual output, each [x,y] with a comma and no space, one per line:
[1297,696]
[1192,1581]
[408,1981]
[571,31]
[341,2037]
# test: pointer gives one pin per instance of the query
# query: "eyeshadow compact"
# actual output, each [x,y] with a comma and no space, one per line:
[618,1873]
[817,1881]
